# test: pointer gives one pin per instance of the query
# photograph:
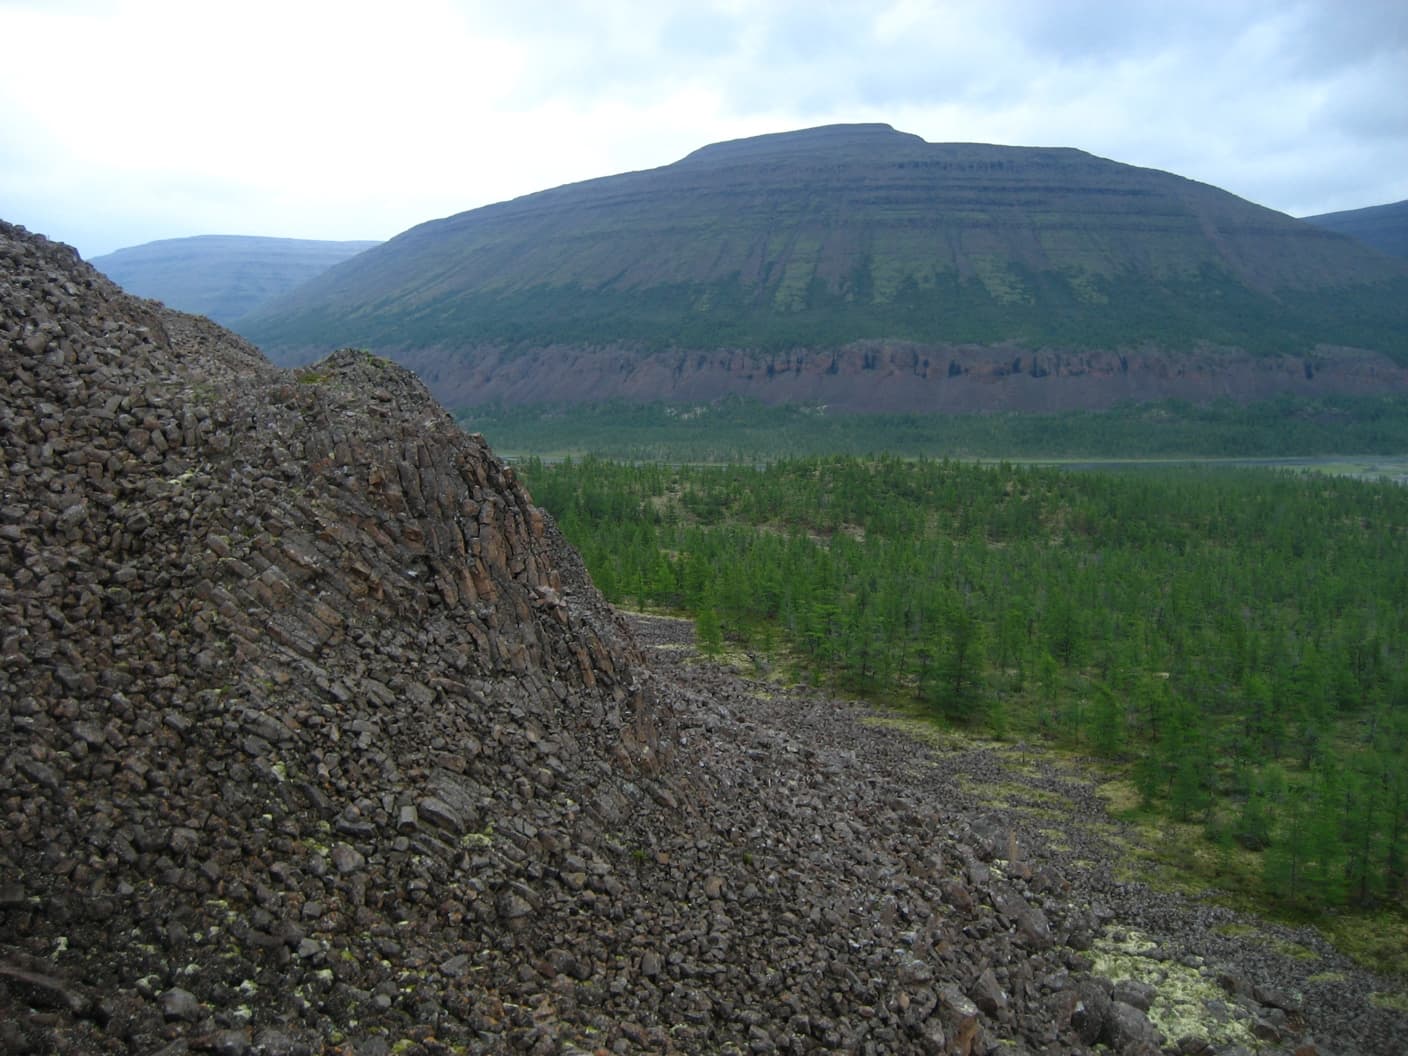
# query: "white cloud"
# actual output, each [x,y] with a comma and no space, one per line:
[127,120]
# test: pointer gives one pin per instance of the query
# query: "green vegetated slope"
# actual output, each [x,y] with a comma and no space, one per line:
[749,431]
[1384,227]
[1234,639]
[222,276]
[816,238]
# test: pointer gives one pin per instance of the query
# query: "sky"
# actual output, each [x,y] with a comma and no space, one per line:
[126,121]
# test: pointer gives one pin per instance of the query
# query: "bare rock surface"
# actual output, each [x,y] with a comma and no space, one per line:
[315,737]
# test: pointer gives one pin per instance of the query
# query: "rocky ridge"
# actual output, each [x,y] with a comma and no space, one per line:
[315,737]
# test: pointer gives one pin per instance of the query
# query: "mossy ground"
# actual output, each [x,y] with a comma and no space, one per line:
[1396,1000]
[1180,857]
[933,735]
[1151,848]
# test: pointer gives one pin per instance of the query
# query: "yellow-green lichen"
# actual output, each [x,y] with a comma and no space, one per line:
[924,730]
[1180,1007]
[478,839]
[1320,978]
[1251,933]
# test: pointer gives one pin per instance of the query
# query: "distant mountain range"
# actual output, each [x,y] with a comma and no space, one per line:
[866,268]
[221,276]
[1384,227]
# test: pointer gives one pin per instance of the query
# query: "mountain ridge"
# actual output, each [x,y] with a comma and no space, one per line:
[222,277]
[1385,227]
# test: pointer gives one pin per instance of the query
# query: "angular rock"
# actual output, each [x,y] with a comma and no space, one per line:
[440,814]
[1274,998]
[988,994]
[179,1004]
[961,1022]
[346,859]
[231,1042]
[1091,1016]
[1133,992]
[1128,1030]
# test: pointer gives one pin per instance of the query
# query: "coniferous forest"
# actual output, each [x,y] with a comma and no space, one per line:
[1235,640]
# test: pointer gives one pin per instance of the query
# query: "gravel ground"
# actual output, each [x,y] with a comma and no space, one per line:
[1328,994]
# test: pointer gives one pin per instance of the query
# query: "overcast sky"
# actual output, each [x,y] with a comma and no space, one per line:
[124,121]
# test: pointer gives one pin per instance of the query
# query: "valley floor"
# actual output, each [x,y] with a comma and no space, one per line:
[1208,972]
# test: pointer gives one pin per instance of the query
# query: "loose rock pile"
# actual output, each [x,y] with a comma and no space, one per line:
[298,700]
[314,736]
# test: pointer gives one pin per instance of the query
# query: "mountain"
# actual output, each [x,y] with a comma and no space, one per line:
[222,276]
[1384,227]
[865,268]
[316,737]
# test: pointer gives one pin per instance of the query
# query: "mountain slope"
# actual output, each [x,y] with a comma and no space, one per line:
[1384,227]
[222,276]
[814,241]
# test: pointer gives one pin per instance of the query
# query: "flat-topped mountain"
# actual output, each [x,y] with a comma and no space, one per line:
[1384,227]
[930,276]
[222,276]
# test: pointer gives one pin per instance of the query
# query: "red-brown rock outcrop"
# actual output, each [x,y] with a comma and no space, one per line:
[898,377]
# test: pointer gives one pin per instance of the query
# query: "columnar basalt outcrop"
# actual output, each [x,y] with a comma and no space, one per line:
[280,650]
